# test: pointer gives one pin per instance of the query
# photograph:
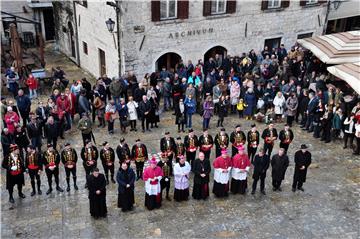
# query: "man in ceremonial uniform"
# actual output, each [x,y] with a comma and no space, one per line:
[221,142]
[191,144]
[302,162]
[279,164]
[286,136]
[237,138]
[222,167]
[179,149]
[240,169]
[165,181]
[167,147]
[69,158]
[51,161]
[89,155]
[140,155]
[34,168]
[152,177]
[14,172]
[269,135]
[123,152]
[261,164]
[107,156]
[253,137]
[206,143]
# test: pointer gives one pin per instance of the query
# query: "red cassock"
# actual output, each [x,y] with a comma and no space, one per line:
[241,161]
[222,163]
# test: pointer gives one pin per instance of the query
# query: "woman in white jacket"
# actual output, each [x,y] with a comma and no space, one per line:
[132,110]
[279,103]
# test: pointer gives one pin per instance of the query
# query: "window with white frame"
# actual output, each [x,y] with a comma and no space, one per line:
[311,1]
[168,9]
[274,3]
[218,6]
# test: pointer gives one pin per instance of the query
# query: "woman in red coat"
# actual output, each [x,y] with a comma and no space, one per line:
[32,83]
[11,119]
[72,100]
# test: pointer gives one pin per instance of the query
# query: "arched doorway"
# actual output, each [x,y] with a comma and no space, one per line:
[168,60]
[72,39]
[221,51]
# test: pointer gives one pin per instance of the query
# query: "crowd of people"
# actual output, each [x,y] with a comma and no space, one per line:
[273,85]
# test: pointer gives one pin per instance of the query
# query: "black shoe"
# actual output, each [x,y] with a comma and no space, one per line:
[113,181]
[252,192]
[274,189]
[49,191]
[168,198]
[301,189]
[345,147]
[279,189]
[32,193]
[68,189]
[21,195]
[135,130]
[156,126]
[149,130]
[76,187]
[58,188]
[328,141]
[39,192]
[293,189]
[11,200]
[263,192]
[131,129]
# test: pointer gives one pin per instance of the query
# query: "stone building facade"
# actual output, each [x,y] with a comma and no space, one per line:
[191,30]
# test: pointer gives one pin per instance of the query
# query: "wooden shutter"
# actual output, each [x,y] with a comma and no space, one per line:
[155,11]
[230,6]
[183,9]
[206,8]
[285,4]
[302,2]
[264,4]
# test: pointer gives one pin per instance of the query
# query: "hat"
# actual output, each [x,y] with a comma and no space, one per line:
[153,160]
[178,138]
[167,132]
[191,130]
[105,143]
[205,129]
[13,147]
[224,151]
[222,129]
[253,125]
[67,144]
[286,125]
[303,146]
[49,145]
[87,141]
[137,140]
[122,140]
[95,170]
[238,126]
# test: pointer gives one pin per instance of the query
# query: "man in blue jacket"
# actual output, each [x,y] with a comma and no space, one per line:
[24,104]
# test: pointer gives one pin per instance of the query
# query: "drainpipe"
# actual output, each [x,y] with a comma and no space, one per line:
[76,36]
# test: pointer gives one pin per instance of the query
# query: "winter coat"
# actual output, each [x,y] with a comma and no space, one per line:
[250,101]
[190,106]
[234,93]
[291,106]
[116,88]
[207,111]
[11,118]
[279,165]
[132,109]
[279,103]
[32,83]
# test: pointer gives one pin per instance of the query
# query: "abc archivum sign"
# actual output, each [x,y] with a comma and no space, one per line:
[189,33]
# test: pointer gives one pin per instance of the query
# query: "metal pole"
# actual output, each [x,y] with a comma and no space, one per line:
[118,12]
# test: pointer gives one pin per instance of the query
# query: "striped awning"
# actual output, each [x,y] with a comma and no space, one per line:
[338,48]
[348,72]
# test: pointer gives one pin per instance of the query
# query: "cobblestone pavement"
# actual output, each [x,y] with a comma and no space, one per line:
[329,207]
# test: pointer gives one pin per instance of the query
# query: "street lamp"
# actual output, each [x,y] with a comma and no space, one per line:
[110,25]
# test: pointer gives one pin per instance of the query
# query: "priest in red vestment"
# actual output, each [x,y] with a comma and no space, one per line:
[152,177]
[239,172]
[222,167]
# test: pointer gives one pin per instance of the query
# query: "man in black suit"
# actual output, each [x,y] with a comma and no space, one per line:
[261,164]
